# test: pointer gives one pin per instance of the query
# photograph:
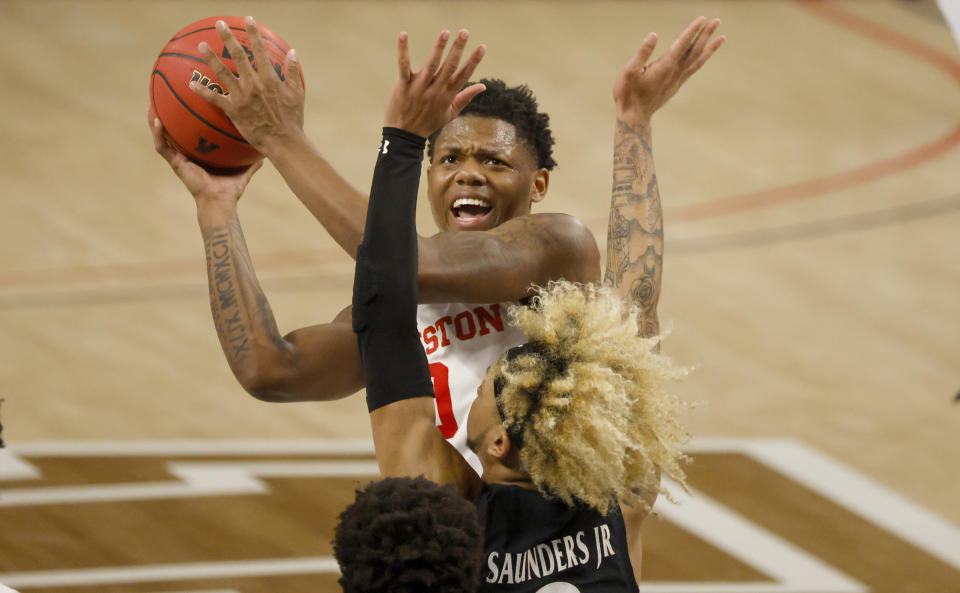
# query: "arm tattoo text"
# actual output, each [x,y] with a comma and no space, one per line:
[635,234]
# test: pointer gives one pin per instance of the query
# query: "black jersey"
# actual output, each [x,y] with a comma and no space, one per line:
[531,541]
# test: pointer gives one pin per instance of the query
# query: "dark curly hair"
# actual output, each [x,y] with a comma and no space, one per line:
[409,535]
[515,105]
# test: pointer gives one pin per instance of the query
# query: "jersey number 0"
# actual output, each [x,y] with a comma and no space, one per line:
[441,387]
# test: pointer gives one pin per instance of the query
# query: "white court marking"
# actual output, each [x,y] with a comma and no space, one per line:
[171,572]
[205,478]
[793,570]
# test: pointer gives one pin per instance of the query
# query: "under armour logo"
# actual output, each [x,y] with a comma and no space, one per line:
[204,146]
[383,146]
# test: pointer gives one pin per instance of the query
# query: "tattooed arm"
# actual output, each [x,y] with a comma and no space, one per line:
[635,234]
[317,362]
[320,362]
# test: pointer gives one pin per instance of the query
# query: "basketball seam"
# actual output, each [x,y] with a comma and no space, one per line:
[178,55]
[194,113]
[267,39]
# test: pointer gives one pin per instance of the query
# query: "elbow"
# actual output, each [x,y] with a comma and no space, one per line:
[267,394]
[265,383]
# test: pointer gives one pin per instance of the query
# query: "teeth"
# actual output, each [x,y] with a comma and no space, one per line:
[471,202]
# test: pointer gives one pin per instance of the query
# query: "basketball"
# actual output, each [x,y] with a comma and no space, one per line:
[198,129]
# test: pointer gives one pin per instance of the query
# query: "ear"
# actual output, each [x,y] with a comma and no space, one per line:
[541,181]
[499,446]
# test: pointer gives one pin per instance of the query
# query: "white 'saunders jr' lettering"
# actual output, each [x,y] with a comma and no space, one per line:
[551,557]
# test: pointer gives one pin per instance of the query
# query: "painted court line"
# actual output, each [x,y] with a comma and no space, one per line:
[868,499]
[199,591]
[14,467]
[194,447]
[171,572]
[792,568]
[197,479]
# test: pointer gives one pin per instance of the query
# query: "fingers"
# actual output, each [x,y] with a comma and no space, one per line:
[703,37]
[260,56]
[156,129]
[160,143]
[292,68]
[644,52]
[210,95]
[433,62]
[237,54]
[220,70]
[686,38]
[464,97]
[702,59]
[466,71]
[403,56]
[453,58]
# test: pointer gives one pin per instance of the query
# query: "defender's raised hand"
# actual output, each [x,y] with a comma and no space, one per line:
[423,102]
[263,107]
[642,88]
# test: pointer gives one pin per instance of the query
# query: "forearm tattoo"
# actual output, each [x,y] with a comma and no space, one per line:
[241,313]
[635,234]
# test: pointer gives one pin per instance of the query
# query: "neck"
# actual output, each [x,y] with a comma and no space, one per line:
[499,473]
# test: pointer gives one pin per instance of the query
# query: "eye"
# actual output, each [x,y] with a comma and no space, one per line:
[496,162]
[449,158]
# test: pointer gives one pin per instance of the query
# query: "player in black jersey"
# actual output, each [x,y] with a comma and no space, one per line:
[573,428]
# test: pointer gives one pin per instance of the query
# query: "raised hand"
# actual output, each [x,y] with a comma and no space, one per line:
[642,88]
[423,102]
[262,107]
[205,186]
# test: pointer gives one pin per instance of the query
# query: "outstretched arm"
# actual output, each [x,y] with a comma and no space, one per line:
[635,233]
[479,266]
[318,362]
[399,391]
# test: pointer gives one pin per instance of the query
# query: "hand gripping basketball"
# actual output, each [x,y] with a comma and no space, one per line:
[195,126]
[262,104]
[208,187]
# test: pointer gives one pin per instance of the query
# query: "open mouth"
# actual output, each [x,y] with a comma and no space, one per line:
[470,211]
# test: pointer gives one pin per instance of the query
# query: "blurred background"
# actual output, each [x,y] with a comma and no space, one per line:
[809,181]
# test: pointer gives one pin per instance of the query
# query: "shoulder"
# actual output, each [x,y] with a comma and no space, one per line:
[552,222]
[563,234]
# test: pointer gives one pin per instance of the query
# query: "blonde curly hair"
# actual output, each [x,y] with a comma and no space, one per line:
[584,399]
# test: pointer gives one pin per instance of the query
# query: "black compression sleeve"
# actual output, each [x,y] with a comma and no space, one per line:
[385,281]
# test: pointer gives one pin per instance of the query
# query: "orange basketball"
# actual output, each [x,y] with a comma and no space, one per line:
[198,129]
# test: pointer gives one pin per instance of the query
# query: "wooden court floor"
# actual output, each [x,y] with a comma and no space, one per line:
[809,179]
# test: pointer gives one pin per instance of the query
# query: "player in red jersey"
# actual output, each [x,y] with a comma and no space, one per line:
[488,167]
[496,261]
[573,428]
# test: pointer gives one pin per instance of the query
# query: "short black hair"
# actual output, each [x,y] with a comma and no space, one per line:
[515,105]
[409,535]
